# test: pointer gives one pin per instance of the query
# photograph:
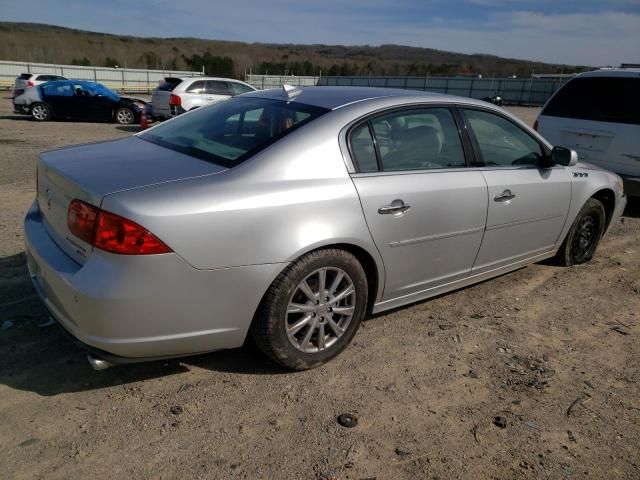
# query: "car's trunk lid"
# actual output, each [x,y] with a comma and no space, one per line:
[89,172]
[161,94]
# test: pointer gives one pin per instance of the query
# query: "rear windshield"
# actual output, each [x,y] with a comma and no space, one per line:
[229,132]
[601,99]
[168,84]
[25,76]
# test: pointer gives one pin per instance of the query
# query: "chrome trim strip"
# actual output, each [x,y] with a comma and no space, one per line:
[413,241]
[521,222]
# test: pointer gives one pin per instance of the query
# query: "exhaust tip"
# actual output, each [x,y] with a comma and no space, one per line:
[97,363]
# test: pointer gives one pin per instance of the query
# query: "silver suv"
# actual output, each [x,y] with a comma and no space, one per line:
[26,80]
[176,95]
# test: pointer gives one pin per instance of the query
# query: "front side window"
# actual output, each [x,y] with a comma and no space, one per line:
[239,88]
[216,87]
[418,139]
[501,142]
[227,133]
[600,99]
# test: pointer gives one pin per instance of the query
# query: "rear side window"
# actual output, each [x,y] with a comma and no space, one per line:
[168,84]
[196,87]
[229,132]
[416,139]
[363,149]
[601,99]
[216,87]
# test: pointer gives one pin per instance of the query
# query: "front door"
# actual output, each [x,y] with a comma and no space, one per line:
[528,199]
[426,211]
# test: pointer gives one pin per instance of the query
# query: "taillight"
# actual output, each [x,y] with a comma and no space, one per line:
[117,234]
[535,125]
[30,83]
[175,100]
[110,232]
[81,220]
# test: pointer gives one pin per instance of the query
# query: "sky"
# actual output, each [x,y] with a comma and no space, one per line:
[574,32]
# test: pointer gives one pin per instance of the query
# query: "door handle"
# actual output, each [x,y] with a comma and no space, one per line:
[397,207]
[505,196]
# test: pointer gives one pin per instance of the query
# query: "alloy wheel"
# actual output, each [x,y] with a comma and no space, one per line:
[40,112]
[124,116]
[320,309]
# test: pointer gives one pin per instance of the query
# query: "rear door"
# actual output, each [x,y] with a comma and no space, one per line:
[528,201]
[426,211]
[193,96]
[60,96]
[599,117]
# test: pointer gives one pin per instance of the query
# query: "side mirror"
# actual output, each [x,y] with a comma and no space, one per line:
[564,156]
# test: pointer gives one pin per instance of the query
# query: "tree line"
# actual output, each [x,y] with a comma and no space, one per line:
[225,66]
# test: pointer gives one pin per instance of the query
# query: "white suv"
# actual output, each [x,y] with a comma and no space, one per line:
[598,115]
[174,95]
[26,80]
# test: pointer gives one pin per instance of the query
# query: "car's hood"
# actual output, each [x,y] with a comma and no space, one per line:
[99,169]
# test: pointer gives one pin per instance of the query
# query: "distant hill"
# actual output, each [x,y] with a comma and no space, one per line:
[51,44]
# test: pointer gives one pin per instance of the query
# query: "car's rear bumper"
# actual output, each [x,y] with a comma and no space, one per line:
[21,109]
[136,308]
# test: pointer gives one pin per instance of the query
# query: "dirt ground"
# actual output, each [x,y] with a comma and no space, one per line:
[531,375]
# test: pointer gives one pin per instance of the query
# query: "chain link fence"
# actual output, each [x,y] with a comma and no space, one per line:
[120,79]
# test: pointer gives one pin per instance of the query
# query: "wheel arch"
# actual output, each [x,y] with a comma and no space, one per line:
[371,263]
[608,199]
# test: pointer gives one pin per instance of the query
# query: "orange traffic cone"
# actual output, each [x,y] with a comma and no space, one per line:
[144,122]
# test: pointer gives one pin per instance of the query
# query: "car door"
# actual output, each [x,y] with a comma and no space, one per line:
[528,198]
[216,91]
[60,96]
[426,211]
[193,96]
[92,104]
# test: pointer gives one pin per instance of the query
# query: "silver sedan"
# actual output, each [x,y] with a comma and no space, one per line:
[289,215]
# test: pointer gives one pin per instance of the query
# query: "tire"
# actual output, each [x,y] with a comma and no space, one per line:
[124,116]
[277,329]
[40,112]
[584,236]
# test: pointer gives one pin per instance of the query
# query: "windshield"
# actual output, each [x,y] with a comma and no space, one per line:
[229,132]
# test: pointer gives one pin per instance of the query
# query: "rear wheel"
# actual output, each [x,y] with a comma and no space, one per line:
[312,310]
[585,234]
[124,116]
[40,112]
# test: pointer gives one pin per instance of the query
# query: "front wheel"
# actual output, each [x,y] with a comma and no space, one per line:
[312,310]
[124,116]
[40,112]
[585,234]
